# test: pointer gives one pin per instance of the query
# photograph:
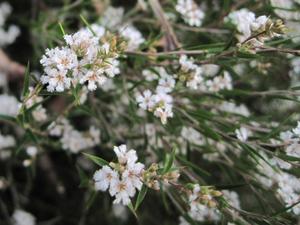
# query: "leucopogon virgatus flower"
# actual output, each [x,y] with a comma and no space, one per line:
[86,59]
[202,202]
[72,139]
[191,13]
[124,178]
[9,35]
[261,28]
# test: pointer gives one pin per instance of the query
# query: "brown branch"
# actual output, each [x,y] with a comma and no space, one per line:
[172,42]
[181,52]
[10,67]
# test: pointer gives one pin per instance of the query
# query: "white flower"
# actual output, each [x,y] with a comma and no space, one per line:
[233,108]
[242,19]
[83,43]
[122,190]
[195,78]
[296,130]
[145,100]
[113,69]
[163,113]
[31,151]
[133,36]
[192,135]
[120,211]
[133,174]
[104,177]
[242,134]
[57,80]
[97,29]
[198,211]
[6,141]
[193,73]
[186,63]
[259,23]
[220,83]
[149,75]
[94,77]
[95,135]
[125,156]
[190,12]
[112,17]
[9,105]
[5,10]
[9,35]
[21,217]
[166,84]
[232,198]
[62,59]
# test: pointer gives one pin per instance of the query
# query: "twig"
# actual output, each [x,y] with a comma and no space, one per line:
[172,42]
[181,52]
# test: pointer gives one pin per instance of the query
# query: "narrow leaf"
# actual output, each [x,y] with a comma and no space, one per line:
[26,81]
[99,161]
[140,197]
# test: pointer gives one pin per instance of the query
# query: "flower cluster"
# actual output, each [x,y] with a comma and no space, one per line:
[122,179]
[287,185]
[160,102]
[190,73]
[86,59]
[7,36]
[113,19]
[202,203]
[72,139]
[191,13]
[291,139]
[260,28]
[9,105]
[193,76]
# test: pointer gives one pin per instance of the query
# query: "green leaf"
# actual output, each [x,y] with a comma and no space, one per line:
[193,166]
[91,199]
[99,161]
[169,161]
[285,209]
[62,29]
[130,206]
[8,118]
[84,180]
[26,81]
[88,25]
[140,197]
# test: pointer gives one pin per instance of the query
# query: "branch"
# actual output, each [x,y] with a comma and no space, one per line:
[172,41]
[10,67]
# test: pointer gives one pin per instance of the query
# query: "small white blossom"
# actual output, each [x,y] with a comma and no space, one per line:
[125,156]
[242,20]
[112,17]
[242,134]
[190,12]
[57,80]
[124,178]
[9,105]
[104,177]
[145,100]
[31,151]
[133,36]
[21,217]
[7,34]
